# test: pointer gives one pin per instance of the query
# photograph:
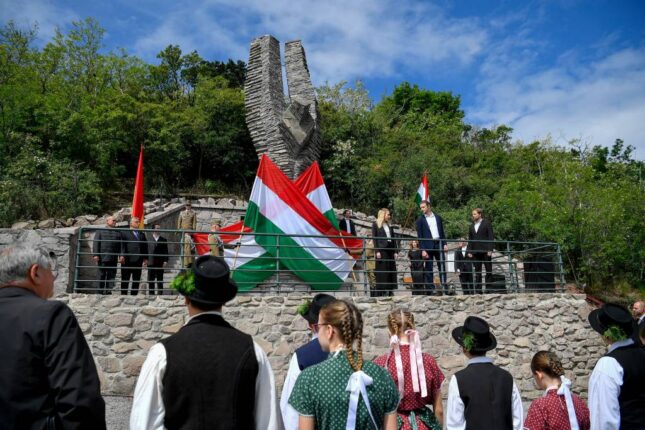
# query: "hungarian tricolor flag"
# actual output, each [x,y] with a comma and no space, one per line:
[250,262]
[137,200]
[422,192]
[289,227]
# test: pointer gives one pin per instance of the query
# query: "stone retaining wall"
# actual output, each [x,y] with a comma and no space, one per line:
[120,330]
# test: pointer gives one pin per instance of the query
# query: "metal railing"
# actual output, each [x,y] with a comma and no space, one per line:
[276,263]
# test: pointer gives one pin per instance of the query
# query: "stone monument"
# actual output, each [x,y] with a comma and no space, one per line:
[287,129]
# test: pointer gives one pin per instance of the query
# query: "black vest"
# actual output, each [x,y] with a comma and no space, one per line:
[210,376]
[310,353]
[487,393]
[632,393]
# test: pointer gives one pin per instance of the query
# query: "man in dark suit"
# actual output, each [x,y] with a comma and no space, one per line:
[346,224]
[432,242]
[48,378]
[158,262]
[106,248]
[464,266]
[480,246]
[135,255]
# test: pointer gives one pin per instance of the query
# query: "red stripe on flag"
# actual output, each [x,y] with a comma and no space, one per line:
[202,247]
[286,190]
[137,199]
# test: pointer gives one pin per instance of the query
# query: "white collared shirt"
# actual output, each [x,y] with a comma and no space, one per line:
[455,409]
[432,224]
[289,414]
[477,224]
[348,226]
[387,230]
[148,410]
[604,388]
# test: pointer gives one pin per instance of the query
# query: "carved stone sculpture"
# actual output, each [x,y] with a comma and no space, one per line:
[285,128]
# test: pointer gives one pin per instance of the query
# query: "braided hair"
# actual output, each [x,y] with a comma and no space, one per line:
[345,316]
[398,321]
[547,362]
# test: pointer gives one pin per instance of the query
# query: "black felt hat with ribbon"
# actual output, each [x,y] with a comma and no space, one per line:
[478,330]
[213,283]
[611,314]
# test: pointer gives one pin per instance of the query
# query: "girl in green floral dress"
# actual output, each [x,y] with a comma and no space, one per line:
[343,391]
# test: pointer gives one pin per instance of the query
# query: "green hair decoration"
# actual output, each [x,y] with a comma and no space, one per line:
[615,333]
[184,282]
[468,340]
[304,308]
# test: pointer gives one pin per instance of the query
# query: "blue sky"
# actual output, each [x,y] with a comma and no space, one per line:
[562,70]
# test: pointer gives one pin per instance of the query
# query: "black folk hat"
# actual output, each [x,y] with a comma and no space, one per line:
[316,304]
[483,338]
[213,283]
[611,314]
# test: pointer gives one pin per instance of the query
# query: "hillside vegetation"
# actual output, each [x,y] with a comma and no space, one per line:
[73,117]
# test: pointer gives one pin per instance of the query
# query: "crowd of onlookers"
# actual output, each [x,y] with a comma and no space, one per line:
[210,375]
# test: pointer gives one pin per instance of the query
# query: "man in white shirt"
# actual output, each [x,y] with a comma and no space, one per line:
[481,396]
[346,224]
[307,355]
[208,373]
[432,242]
[616,394]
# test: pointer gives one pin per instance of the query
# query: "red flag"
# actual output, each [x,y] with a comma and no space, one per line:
[137,200]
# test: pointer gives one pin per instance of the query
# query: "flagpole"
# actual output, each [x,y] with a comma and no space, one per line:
[425,173]
[237,250]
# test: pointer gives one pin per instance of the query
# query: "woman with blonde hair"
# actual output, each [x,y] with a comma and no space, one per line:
[416,373]
[558,409]
[385,248]
[344,391]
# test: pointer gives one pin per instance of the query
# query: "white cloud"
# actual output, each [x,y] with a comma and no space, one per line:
[343,39]
[596,101]
[26,13]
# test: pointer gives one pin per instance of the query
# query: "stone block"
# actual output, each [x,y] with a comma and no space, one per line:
[151,311]
[109,364]
[119,320]
[522,342]
[132,364]
[124,347]
[123,333]
[172,328]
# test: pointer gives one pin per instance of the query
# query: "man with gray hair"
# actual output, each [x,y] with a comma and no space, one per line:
[47,375]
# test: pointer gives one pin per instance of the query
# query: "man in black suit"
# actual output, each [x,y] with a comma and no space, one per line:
[480,246]
[135,255]
[158,262]
[464,266]
[346,224]
[106,248]
[47,373]
[432,242]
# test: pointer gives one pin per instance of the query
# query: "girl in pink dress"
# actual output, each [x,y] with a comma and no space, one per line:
[558,409]
[415,373]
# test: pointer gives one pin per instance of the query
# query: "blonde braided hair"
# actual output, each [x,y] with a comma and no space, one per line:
[345,316]
[398,321]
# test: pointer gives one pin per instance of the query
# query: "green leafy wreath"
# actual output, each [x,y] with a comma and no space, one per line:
[468,340]
[303,308]
[615,333]
[184,282]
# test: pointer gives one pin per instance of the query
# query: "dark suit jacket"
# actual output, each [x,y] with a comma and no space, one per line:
[423,232]
[47,373]
[462,262]
[343,226]
[134,250]
[107,245]
[159,254]
[382,243]
[485,233]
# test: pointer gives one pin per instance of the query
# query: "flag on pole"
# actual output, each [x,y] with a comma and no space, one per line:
[249,262]
[289,227]
[422,192]
[137,199]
